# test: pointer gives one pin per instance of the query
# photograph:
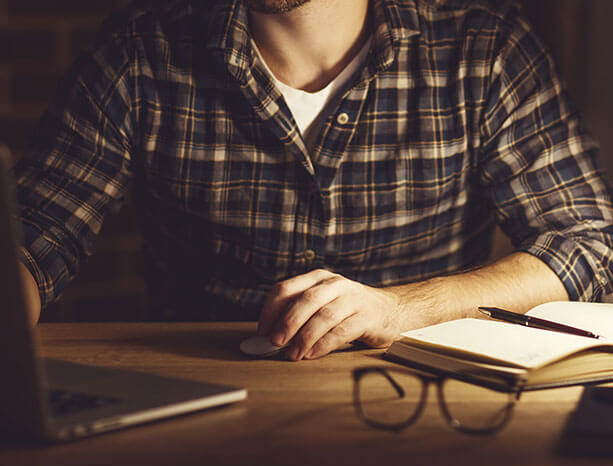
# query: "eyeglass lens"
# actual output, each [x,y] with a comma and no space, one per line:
[390,399]
[395,398]
[473,408]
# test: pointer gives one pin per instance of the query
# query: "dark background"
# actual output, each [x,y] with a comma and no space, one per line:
[40,38]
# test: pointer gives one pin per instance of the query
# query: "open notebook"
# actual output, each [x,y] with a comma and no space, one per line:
[512,357]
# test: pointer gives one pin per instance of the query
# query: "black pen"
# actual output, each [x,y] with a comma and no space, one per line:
[533,322]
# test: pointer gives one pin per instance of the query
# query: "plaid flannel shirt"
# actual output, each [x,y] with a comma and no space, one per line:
[458,121]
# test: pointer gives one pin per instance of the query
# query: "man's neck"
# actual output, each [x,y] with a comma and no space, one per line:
[309,46]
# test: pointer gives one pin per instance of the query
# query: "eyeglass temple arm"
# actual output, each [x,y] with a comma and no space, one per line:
[358,373]
[395,384]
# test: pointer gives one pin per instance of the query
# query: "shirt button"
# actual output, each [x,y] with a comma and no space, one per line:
[309,255]
[342,118]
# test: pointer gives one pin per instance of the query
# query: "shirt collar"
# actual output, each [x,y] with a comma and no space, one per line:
[228,35]
[394,21]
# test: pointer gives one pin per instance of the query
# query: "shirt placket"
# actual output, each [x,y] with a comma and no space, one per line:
[276,117]
[314,209]
[337,134]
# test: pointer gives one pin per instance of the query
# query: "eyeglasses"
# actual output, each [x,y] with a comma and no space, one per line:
[394,398]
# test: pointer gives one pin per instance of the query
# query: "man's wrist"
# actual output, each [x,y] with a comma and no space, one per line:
[419,304]
[31,294]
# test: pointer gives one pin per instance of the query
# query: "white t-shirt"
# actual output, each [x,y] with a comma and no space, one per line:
[306,106]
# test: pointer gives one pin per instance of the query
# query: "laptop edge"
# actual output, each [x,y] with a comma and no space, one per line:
[23,397]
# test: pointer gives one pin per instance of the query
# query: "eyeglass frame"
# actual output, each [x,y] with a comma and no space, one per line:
[426,380]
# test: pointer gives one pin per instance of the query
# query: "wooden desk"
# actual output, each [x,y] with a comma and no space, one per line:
[296,413]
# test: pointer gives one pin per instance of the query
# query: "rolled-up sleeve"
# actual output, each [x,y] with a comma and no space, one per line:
[541,171]
[78,166]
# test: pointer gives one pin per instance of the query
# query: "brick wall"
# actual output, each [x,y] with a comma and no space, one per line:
[40,38]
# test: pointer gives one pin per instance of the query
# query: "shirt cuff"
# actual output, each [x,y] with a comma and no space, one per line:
[44,262]
[26,259]
[575,265]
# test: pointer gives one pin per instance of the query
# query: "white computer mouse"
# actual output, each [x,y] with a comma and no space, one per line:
[260,347]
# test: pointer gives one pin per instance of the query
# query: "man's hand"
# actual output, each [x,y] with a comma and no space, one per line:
[320,311]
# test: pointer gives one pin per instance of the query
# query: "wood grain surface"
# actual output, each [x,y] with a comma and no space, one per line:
[296,412]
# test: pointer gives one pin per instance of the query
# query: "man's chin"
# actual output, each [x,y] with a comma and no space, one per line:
[273,6]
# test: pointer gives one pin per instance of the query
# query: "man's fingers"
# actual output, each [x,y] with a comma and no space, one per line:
[283,294]
[320,323]
[352,328]
[304,307]
[275,304]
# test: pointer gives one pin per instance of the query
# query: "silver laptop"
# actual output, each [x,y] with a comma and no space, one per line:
[59,400]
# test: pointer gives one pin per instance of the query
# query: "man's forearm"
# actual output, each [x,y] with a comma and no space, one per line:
[316,312]
[516,282]
[32,297]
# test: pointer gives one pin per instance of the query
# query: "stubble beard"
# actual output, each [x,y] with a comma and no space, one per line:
[273,6]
